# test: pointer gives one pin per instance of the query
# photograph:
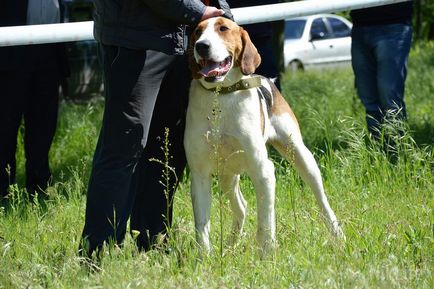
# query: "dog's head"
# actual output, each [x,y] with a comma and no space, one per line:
[221,50]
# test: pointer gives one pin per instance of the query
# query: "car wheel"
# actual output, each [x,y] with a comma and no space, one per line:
[295,65]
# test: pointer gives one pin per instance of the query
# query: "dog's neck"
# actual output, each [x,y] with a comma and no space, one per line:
[249,82]
[234,81]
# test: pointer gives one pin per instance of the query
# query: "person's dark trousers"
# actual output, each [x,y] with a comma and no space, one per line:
[156,183]
[268,66]
[122,178]
[379,60]
[32,96]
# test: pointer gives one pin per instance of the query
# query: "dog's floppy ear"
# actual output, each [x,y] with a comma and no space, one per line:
[194,67]
[249,58]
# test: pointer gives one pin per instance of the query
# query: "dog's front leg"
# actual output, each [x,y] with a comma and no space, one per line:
[201,199]
[261,171]
[230,185]
[265,184]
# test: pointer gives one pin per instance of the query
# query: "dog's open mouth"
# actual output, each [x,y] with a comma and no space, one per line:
[213,71]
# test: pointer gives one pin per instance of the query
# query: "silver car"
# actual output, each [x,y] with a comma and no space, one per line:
[321,40]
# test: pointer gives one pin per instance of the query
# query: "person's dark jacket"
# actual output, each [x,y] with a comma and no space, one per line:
[381,15]
[149,24]
[30,57]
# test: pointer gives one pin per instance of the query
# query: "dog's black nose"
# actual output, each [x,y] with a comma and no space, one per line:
[202,47]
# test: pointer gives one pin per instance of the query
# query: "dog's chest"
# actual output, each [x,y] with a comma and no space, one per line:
[217,126]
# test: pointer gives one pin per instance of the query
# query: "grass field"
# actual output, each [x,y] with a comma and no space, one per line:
[387,210]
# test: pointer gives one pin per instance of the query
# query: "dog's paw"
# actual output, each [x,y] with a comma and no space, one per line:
[267,244]
[338,232]
[268,250]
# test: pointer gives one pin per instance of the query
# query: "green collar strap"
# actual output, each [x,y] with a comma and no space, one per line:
[243,84]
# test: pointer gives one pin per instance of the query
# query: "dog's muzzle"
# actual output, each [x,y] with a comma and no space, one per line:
[211,69]
[202,48]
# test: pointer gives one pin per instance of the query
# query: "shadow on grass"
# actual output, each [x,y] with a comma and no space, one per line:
[423,133]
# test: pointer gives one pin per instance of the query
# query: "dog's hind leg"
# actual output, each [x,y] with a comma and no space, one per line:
[306,165]
[201,199]
[293,149]
[230,186]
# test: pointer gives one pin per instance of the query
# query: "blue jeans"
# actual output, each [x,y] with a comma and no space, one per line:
[379,60]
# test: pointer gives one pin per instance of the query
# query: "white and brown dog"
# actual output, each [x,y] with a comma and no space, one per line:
[251,114]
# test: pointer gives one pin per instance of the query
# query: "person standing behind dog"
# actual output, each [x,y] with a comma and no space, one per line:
[381,40]
[261,35]
[142,46]
[29,79]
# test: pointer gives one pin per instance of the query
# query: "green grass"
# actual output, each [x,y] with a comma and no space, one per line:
[386,210]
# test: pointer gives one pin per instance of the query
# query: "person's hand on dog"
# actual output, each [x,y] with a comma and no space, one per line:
[211,11]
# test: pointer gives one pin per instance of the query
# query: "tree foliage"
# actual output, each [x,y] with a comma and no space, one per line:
[423,19]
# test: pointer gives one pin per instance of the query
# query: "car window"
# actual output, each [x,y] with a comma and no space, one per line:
[294,28]
[340,29]
[319,30]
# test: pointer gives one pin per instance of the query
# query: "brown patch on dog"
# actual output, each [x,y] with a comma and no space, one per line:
[250,58]
[194,67]
[280,106]
[240,46]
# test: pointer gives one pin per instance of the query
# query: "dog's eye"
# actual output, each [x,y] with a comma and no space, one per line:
[197,32]
[223,28]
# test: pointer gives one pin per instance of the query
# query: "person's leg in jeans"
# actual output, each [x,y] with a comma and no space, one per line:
[132,82]
[364,64]
[40,121]
[392,49]
[392,52]
[381,52]
[152,210]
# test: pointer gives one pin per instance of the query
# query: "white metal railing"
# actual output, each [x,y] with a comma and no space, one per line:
[76,31]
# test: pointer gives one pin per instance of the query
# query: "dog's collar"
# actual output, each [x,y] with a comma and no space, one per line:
[243,84]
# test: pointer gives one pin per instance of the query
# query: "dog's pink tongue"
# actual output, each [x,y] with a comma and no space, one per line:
[210,68]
